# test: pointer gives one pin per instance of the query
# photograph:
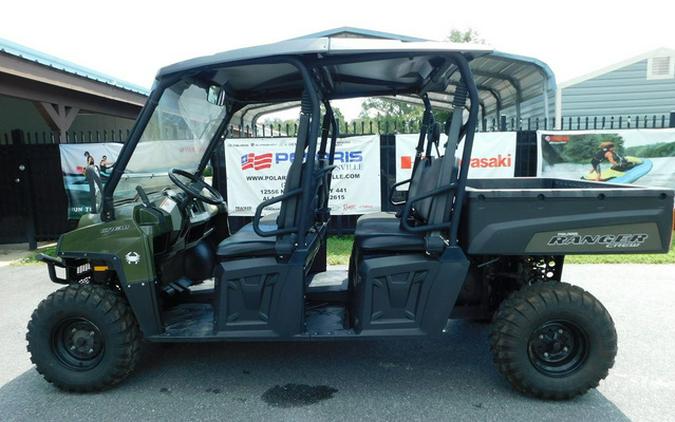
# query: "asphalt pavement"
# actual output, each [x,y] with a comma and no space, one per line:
[451,378]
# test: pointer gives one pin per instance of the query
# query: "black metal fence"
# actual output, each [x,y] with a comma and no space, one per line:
[503,124]
[653,121]
[34,205]
[370,127]
[30,137]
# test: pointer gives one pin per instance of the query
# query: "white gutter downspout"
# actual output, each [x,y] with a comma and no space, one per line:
[558,108]
[546,110]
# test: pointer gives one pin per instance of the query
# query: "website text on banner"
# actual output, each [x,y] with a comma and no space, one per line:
[257,168]
[493,155]
[640,156]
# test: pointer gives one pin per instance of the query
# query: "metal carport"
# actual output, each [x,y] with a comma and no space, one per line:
[504,80]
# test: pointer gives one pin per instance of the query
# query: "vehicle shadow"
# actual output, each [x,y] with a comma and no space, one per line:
[449,378]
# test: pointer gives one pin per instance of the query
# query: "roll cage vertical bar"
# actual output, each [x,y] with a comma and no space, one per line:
[325,128]
[329,125]
[472,90]
[313,93]
[335,132]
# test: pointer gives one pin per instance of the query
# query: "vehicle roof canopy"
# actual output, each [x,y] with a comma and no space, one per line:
[362,63]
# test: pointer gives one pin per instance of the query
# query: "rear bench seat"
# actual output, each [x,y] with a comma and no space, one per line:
[383,231]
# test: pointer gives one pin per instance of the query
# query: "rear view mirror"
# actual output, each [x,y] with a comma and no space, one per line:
[216,95]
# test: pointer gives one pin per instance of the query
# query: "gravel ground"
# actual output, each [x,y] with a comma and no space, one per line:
[451,378]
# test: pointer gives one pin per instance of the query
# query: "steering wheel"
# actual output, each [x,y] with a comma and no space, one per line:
[195,187]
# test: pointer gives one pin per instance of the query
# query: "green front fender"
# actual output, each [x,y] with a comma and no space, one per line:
[123,239]
[127,249]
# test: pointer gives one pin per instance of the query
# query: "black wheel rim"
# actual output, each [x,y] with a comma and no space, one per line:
[558,348]
[78,343]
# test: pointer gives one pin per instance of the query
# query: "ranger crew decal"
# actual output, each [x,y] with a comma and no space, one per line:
[637,237]
[114,229]
[626,240]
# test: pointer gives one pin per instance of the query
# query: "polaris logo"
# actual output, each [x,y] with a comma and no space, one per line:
[265,161]
[340,157]
[256,162]
[627,240]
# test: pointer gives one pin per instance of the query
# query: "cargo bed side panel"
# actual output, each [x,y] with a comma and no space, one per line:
[555,216]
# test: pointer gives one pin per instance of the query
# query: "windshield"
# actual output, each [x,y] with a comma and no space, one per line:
[177,135]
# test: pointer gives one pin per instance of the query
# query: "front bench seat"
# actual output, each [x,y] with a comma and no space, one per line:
[246,242]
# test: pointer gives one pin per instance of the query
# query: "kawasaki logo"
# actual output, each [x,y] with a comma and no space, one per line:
[608,240]
[497,161]
[491,162]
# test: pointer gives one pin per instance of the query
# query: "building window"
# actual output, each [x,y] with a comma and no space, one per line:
[661,67]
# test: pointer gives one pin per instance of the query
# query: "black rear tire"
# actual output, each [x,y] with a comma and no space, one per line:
[84,338]
[552,340]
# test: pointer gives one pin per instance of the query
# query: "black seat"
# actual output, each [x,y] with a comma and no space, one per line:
[280,234]
[383,231]
[246,242]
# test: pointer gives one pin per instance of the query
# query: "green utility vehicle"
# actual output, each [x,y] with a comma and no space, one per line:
[160,264]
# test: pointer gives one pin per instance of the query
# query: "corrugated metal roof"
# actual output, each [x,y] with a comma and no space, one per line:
[29,54]
[350,31]
[323,46]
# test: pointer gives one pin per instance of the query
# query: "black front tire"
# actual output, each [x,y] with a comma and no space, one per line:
[552,340]
[84,338]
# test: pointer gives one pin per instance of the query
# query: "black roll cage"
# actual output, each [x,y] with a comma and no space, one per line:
[313,82]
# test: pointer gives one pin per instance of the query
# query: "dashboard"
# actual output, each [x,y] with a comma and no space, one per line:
[176,221]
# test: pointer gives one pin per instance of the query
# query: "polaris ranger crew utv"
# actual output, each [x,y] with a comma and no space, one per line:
[458,248]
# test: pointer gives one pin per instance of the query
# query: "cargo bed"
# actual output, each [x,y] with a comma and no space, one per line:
[534,216]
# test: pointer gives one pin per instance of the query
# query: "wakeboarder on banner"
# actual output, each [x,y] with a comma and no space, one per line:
[257,168]
[638,156]
[493,155]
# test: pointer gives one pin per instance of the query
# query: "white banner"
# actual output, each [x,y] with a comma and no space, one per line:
[641,156]
[257,168]
[493,155]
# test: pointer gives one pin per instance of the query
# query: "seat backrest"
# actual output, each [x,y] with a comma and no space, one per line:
[291,208]
[425,176]
[429,173]
[285,244]
[322,190]
[418,174]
